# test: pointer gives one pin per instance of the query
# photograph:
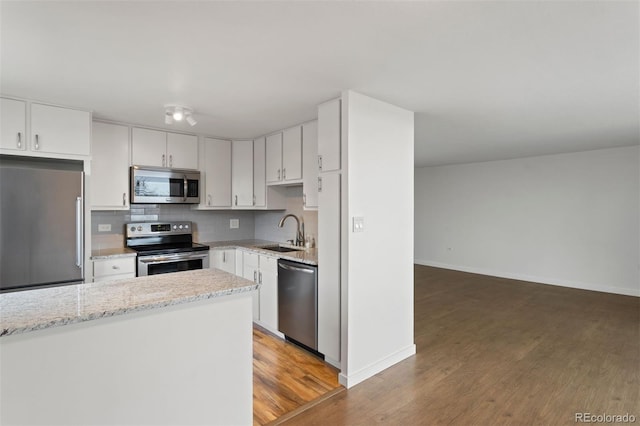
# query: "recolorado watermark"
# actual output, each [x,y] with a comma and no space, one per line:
[604,418]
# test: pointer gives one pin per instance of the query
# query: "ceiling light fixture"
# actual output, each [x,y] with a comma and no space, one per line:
[178,113]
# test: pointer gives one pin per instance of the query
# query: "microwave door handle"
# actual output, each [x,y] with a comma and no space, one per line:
[186,187]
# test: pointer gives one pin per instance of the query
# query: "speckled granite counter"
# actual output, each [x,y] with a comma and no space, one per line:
[110,253]
[32,310]
[308,256]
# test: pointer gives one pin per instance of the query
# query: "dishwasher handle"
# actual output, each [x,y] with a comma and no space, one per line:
[295,268]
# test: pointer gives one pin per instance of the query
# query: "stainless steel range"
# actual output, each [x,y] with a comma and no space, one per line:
[166,247]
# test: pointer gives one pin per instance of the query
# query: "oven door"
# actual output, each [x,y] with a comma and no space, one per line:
[162,264]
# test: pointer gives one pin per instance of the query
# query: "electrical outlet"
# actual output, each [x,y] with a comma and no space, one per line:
[234,223]
[358,224]
[104,227]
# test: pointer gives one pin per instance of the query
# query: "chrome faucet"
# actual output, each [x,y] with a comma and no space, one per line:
[299,233]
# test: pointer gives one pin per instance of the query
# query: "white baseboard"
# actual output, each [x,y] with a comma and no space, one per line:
[350,380]
[532,278]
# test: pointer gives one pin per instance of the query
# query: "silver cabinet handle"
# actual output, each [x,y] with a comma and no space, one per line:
[209,199]
[224,257]
[304,199]
[19,140]
[320,162]
[236,200]
[319,184]
[260,277]
[255,278]
[79,232]
[115,267]
[37,146]
[284,173]
[278,174]
[124,199]
[171,160]
[163,160]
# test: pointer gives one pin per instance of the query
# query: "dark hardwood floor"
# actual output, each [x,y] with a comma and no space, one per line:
[494,351]
[286,378]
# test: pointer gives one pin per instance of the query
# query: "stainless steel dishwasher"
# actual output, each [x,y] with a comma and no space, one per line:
[298,302]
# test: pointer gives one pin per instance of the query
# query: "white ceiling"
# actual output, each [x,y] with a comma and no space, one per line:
[487,80]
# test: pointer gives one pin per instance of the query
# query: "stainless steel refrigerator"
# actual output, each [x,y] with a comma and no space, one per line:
[41,217]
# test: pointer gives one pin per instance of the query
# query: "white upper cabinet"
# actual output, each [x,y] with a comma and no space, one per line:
[148,147]
[310,165]
[284,156]
[292,154]
[216,167]
[182,151]
[110,167]
[274,158]
[161,149]
[58,130]
[13,124]
[329,135]
[259,176]
[242,173]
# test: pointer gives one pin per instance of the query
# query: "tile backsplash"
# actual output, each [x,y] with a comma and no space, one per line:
[208,225]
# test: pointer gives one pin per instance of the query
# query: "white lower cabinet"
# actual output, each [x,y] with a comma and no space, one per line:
[117,268]
[263,270]
[224,259]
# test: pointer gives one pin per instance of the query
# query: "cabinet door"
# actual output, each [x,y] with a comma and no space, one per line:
[13,124]
[110,167]
[224,259]
[310,165]
[329,135]
[268,277]
[217,170]
[148,147]
[259,177]
[250,265]
[182,151]
[60,130]
[274,158]
[242,173]
[292,153]
[329,269]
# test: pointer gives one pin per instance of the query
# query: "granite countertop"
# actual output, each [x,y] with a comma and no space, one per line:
[32,310]
[111,253]
[308,256]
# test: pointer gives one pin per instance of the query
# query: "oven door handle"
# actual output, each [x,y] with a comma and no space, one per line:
[168,259]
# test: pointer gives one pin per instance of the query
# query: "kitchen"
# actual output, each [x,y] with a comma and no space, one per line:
[236,70]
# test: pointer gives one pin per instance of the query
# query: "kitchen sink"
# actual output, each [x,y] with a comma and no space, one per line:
[280,249]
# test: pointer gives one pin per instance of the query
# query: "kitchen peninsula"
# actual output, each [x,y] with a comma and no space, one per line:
[163,349]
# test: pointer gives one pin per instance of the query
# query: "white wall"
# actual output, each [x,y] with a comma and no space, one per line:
[377,263]
[569,219]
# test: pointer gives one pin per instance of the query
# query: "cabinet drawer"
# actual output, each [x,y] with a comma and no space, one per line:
[117,266]
[105,278]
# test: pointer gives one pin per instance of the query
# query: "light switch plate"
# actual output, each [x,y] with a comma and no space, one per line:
[358,224]
[234,223]
[104,227]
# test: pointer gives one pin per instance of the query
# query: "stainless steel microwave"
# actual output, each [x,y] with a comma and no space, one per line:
[159,185]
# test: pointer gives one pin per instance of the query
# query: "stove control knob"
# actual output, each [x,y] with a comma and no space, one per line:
[175,226]
[133,229]
[139,228]
[186,227]
[180,226]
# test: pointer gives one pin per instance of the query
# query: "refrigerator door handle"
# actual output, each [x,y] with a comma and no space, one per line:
[79,232]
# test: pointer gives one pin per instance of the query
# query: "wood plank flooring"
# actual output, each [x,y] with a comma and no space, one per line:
[494,351]
[286,377]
